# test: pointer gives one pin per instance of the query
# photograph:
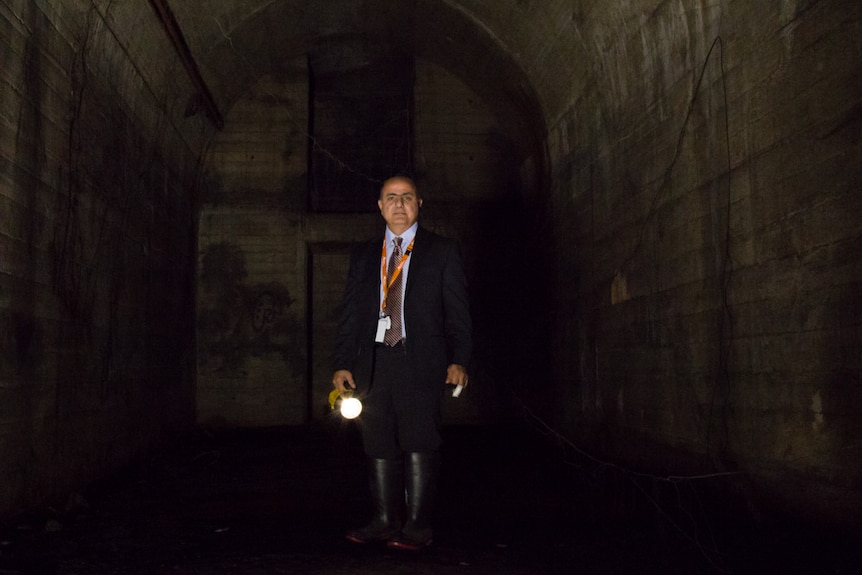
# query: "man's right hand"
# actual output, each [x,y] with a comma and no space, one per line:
[342,377]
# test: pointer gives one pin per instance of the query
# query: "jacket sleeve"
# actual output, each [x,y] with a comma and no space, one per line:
[347,337]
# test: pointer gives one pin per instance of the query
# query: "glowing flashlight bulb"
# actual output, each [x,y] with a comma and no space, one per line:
[350,407]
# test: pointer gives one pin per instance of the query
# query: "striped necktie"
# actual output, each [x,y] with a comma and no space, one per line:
[393,297]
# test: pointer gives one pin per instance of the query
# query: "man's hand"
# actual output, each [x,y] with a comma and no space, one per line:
[340,377]
[456,375]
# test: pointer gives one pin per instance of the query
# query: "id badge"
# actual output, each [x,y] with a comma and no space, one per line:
[383,324]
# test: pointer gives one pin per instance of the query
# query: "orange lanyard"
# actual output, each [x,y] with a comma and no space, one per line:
[384,270]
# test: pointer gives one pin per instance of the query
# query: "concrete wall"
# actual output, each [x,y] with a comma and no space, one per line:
[97,222]
[705,213]
[252,303]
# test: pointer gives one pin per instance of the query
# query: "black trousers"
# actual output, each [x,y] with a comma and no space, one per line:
[400,414]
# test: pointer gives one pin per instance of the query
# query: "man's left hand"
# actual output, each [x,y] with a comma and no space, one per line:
[456,375]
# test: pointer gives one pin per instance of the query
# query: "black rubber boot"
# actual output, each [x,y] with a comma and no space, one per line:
[421,480]
[387,493]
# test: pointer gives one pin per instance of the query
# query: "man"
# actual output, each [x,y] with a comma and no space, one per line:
[405,331]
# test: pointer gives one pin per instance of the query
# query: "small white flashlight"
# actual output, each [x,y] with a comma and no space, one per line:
[350,407]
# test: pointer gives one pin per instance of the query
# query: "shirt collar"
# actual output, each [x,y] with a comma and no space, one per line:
[406,237]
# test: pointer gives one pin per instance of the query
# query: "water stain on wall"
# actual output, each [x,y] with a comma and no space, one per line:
[238,320]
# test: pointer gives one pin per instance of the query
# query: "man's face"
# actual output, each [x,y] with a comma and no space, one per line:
[399,204]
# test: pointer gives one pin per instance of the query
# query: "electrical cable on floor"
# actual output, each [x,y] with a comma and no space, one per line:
[710,553]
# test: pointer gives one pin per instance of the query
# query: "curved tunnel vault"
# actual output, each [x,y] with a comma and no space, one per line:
[320,105]
[237,45]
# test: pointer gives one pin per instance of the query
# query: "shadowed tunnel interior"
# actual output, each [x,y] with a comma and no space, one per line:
[658,205]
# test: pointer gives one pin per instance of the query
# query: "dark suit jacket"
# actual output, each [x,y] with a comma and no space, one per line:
[436,310]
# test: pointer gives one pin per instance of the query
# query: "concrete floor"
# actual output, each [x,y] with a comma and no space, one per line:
[279,500]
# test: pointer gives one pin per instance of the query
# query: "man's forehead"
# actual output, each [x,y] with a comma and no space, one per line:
[398,187]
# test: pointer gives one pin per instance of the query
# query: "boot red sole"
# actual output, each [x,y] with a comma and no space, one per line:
[408,546]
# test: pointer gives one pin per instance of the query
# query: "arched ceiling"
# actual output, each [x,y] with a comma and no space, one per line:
[236,42]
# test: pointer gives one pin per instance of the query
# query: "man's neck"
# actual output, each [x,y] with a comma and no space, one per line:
[400,230]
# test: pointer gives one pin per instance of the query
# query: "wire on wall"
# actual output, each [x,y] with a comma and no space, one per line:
[720,389]
[315,144]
